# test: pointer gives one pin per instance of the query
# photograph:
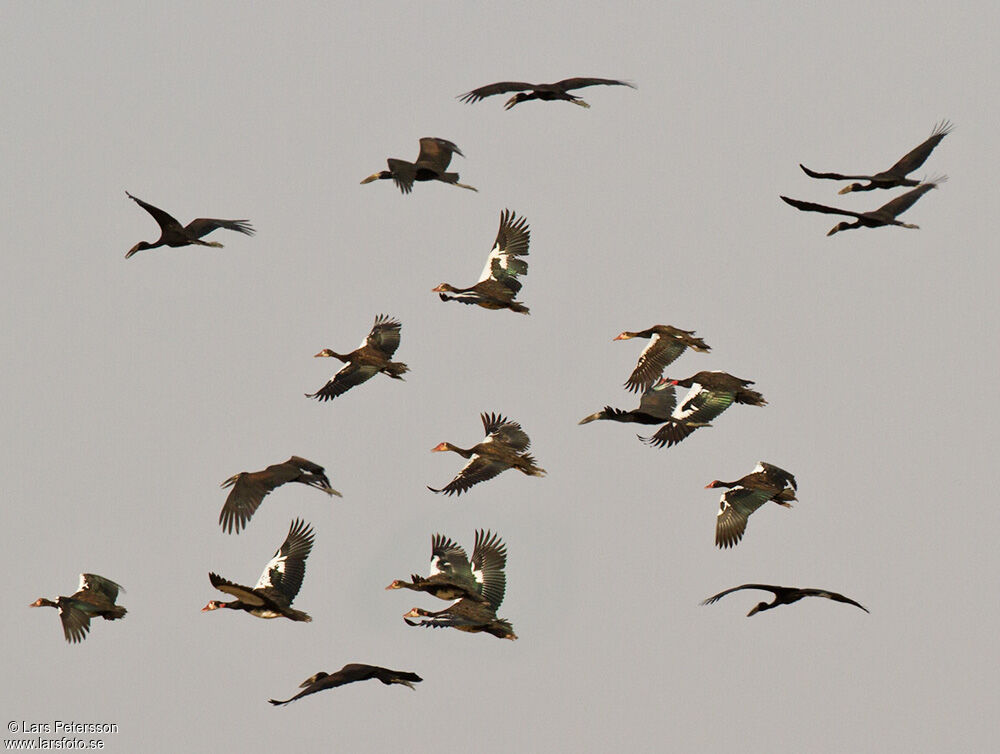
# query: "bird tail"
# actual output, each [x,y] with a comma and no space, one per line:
[750,398]
[396,369]
[517,306]
[114,613]
[452,178]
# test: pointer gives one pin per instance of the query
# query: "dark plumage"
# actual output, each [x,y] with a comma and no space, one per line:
[884,215]
[498,283]
[367,360]
[710,394]
[272,595]
[655,407]
[452,577]
[665,345]
[250,487]
[95,596]
[172,233]
[545,92]
[746,495]
[896,175]
[783,595]
[432,162]
[504,448]
[349,674]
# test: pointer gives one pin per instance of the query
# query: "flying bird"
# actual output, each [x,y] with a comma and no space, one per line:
[349,674]
[896,175]
[468,614]
[746,495]
[884,215]
[504,448]
[666,343]
[94,597]
[709,395]
[452,577]
[367,360]
[272,595]
[498,283]
[655,407]
[547,92]
[249,488]
[783,595]
[173,234]
[432,162]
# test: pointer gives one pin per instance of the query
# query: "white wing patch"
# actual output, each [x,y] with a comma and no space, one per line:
[495,253]
[682,413]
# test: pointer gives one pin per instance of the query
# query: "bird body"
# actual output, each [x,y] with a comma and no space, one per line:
[709,394]
[666,344]
[173,234]
[94,597]
[349,674]
[465,615]
[544,92]
[783,595]
[453,577]
[896,175]
[431,164]
[878,218]
[272,595]
[250,487]
[744,496]
[504,448]
[367,360]
[498,284]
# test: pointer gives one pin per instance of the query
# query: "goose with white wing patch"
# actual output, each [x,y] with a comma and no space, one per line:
[453,577]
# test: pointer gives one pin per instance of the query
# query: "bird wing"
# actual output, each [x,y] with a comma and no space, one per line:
[384,335]
[75,621]
[659,400]
[244,594]
[436,153]
[833,596]
[660,351]
[916,156]
[901,203]
[287,568]
[489,558]
[833,176]
[205,225]
[477,470]
[500,429]
[249,488]
[448,557]
[503,264]
[811,207]
[579,83]
[671,433]
[720,595]
[349,376]
[777,475]
[701,405]
[735,507]
[91,582]
[498,88]
[163,219]
[403,174]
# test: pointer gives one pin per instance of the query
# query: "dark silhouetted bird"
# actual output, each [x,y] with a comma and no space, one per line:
[172,233]
[94,597]
[367,360]
[783,595]
[546,92]
[349,674]
[452,577]
[432,162]
[655,407]
[250,487]
[665,345]
[272,595]
[504,448]
[884,215]
[746,495]
[896,175]
[498,283]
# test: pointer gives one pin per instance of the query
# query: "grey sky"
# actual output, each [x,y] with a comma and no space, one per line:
[134,388]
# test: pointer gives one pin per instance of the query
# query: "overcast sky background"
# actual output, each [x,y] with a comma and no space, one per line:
[133,388]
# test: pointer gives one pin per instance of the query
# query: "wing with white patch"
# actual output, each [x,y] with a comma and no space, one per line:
[735,508]
[287,568]
[489,558]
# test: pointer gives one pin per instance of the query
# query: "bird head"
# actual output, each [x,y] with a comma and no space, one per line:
[839,227]
[397,584]
[138,247]
[850,188]
[440,447]
[377,176]
[757,608]
[42,602]
[442,288]
[212,605]
[325,352]
[624,336]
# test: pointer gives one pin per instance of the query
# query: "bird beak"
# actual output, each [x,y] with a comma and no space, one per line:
[369,179]
[587,419]
[847,189]
[439,289]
